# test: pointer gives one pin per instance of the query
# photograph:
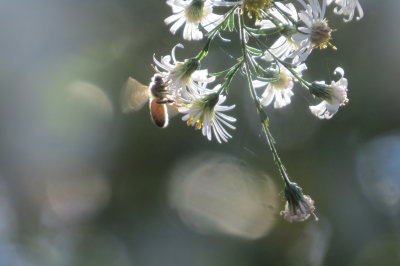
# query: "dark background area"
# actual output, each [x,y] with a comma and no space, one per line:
[82,184]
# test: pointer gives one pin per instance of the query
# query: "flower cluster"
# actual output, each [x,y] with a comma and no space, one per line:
[274,52]
[298,27]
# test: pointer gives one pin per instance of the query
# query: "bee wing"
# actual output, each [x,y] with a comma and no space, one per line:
[172,110]
[159,113]
[133,95]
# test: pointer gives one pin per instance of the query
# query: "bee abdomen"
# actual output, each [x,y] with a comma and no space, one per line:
[159,113]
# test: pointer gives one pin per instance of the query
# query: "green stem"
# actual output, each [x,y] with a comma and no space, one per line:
[263,116]
[288,66]
[229,76]
[203,53]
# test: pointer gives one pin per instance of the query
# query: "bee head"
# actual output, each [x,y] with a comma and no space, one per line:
[157,79]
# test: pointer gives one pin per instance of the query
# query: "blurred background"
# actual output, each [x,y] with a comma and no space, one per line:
[82,184]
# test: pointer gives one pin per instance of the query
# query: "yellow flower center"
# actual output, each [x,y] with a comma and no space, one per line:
[321,35]
[282,82]
[195,11]
[255,6]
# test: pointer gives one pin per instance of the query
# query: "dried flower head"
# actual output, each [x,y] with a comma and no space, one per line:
[299,207]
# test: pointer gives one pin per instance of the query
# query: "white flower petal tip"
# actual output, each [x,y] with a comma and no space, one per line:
[347,9]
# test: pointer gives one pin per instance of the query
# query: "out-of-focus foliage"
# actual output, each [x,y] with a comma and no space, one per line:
[82,184]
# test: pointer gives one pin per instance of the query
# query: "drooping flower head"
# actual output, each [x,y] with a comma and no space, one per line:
[333,96]
[299,207]
[192,13]
[347,8]
[205,112]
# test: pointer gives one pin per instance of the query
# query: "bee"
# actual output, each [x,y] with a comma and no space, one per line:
[134,95]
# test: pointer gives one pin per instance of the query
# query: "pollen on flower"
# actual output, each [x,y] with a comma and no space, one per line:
[195,12]
[344,102]
[255,6]
[321,35]
[199,124]
[190,121]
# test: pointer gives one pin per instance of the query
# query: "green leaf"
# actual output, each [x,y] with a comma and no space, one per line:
[254,51]
[217,74]
[231,22]
[224,24]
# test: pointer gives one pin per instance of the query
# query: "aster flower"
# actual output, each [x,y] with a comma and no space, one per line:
[299,207]
[334,96]
[347,8]
[284,47]
[316,32]
[192,13]
[183,77]
[205,112]
[279,89]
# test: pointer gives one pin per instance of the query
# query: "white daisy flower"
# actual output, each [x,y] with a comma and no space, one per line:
[284,46]
[299,207]
[206,113]
[316,33]
[347,8]
[334,95]
[281,88]
[183,77]
[192,13]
